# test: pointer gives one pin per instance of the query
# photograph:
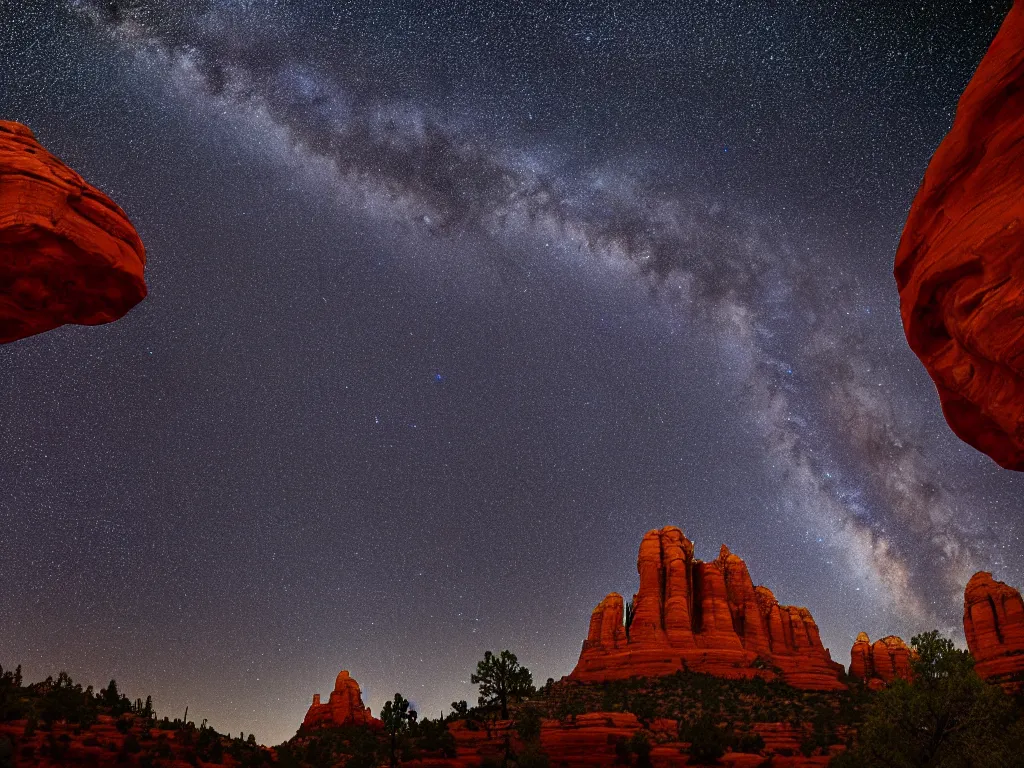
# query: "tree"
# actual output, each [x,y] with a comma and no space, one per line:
[640,746]
[501,680]
[110,694]
[397,717]
[947,717]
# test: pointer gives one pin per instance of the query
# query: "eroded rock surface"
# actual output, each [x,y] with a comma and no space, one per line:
[880,663]
[960,263]
[68,253]
[703,617]
[344,707]
[994,627]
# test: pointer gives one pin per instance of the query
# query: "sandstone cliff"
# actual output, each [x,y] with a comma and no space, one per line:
[68,254]
[994,626]
[958,266]
[880,663]
[703,617]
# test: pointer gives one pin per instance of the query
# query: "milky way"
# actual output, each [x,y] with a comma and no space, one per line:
[785,298]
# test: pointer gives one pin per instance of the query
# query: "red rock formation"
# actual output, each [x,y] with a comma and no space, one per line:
[588,741]
[705,617]
[102,744]
[345,706]
[881,663]
[958,266]
[68,254]
[994,626]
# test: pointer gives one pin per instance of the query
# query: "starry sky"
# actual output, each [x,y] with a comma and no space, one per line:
[449,304]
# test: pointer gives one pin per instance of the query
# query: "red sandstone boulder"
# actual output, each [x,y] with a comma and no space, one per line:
[704,617]
[960,262]
[68,254]
[994,626]
[345,707]
[879,664]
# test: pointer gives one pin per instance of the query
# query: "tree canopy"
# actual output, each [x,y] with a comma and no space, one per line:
[946,717]
[502,680]
[397,719]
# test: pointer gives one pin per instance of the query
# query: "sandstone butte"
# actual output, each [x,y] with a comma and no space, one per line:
[958,265]
[703,617]
[880,663]
[994,627]
[68,254]
[344,707]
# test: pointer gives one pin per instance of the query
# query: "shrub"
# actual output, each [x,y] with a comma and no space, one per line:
[707,741]
[749,742]
[641,747]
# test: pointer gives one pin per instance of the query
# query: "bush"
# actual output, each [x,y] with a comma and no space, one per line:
[569,708]
[751,743]
[532,756]
[644,707]
[641,747]
[623,753]
[435,737]
[707,741]
[948,717]
[527,724]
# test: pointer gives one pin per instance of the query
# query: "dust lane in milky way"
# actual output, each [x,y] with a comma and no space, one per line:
[438,328]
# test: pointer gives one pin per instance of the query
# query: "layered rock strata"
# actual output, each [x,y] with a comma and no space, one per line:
[960,263]
[68,254]
[703,617]
[880,663]
[344,707]
[994,627]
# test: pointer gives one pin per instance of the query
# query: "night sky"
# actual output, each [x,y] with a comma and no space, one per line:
[449,304]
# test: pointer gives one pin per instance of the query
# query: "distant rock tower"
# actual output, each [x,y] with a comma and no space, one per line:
[994,627]
[881,663]
[345,706]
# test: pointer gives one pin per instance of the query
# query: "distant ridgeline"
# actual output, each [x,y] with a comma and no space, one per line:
[57,722]
[698,665]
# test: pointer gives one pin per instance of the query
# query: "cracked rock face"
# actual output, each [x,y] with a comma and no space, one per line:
[880,663]
[960,263]
[704,617]
[68,254]
[994,627]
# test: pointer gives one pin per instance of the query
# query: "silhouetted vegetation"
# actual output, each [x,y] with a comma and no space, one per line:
[707,739]
[397,719]
[733,707]
[57,711]
[948,717]
[502,680]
